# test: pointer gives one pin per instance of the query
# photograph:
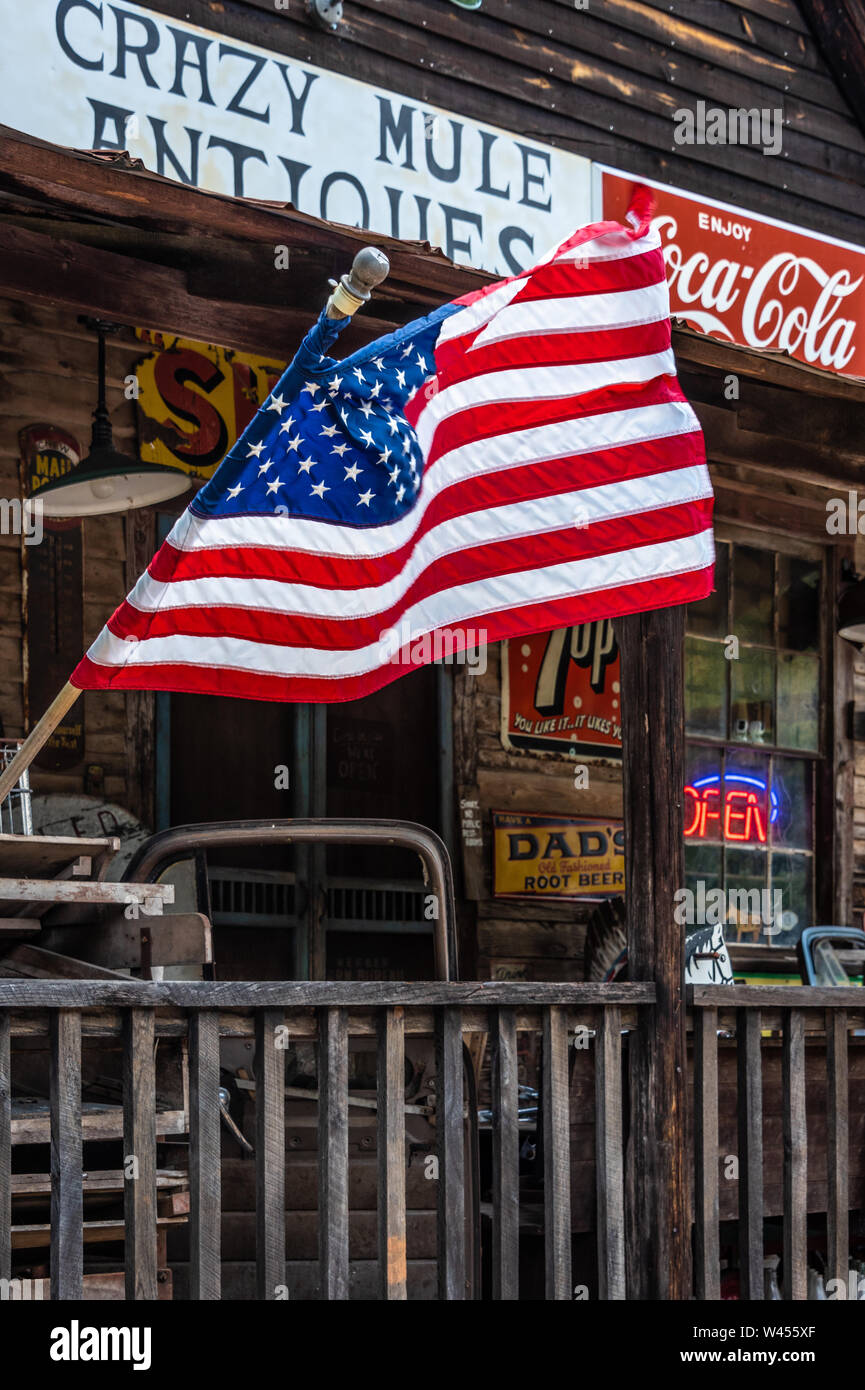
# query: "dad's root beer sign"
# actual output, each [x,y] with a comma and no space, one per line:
[555,856]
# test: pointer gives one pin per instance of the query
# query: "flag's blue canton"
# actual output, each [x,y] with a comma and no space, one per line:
[339,448]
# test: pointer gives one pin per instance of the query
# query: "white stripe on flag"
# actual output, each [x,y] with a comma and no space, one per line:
[612,246]
[461,605]
[473,316]
[616,428]
[578,314]
[510,522]
[538,383]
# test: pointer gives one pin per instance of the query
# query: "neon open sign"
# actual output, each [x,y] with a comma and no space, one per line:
[740,814]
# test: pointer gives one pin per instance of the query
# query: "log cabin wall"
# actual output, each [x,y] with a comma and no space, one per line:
[525,940]
[48,376]
[604,81]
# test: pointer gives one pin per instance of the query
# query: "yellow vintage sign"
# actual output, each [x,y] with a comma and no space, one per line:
[556,856]
[194,399]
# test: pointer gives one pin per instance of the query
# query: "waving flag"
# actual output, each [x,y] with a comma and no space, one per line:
[520,459]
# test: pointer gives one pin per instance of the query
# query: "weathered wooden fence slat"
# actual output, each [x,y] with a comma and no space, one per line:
[391,1013]
[609,1155]
[270,1048]
[67,1198]
[391,1155]
[708,1253]
[205,1184]
[139,1153]
[138,1014]
[5,1148]
[837,1148]
[556,1140]
[795,1156]
[451,1155]
[333,1154]
[506,1156]
[750,1089]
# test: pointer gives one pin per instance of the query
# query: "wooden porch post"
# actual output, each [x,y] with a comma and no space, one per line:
[657,1218]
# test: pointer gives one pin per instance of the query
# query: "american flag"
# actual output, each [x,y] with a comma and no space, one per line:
[521,459]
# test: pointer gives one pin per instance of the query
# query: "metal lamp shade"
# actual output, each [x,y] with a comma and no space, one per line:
[107,481]
[851,613]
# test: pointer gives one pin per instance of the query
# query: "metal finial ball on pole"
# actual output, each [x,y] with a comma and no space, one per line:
[369,268]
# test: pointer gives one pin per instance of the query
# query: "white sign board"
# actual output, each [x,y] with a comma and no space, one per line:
[227,116]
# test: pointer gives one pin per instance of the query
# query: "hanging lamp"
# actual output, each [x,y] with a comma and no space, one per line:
[107,481]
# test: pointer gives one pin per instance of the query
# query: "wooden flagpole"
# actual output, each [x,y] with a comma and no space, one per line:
[37,738]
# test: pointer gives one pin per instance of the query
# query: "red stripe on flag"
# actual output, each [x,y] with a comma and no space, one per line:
[573,280]
[482,491]
[550,350]
[520,554]
[479,422]
[509,623]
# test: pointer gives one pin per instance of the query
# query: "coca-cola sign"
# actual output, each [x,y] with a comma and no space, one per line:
[754,281]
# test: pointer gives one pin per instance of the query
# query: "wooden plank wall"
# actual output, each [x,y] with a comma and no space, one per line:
[48,376]
[528,940]
[603,81]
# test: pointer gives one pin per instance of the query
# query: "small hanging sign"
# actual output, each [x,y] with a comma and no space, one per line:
[557,857]
[561,691]
[195,399]
[55,595]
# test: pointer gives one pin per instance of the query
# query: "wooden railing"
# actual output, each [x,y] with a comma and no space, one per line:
[328,1014]
[758,1037]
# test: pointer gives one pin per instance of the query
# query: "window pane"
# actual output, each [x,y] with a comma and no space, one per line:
[702,865]
[710,618]
[798,701]
[798,603]
[702,795]
[752,712]
[747,805]
[793,875]
[746,875]
[749,810]
[792,803]
[753,586]
[705,688]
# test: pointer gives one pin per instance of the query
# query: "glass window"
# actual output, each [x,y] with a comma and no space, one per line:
[711,618]
[752,711]
[752,716]
[705,688]
[798,603]
[798,700]
[753,592]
